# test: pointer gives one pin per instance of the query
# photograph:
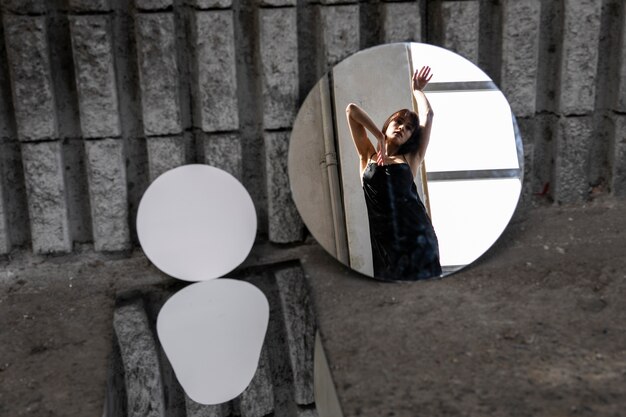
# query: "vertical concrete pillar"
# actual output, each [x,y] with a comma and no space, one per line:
[573,144]
[95,76]
[339,33]
[619,157]
[214,70]
[165,153]
[45,189]
[621,94]
[158,74]
[7,130]
[257,400]
[215,87]
[284,221]
[279,66]
[401,22]
[223,151]
[520,52]
[300,329]
[159,83]
[579,59]
[107,193]
[5,241]
[29,64]
[279,85]
[460,26]
[99,118]
[26,40]
[578,68]
[144,390]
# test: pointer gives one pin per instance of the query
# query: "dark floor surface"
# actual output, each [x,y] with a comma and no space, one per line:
[537,327]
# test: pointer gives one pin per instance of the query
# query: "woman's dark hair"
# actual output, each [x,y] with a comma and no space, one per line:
[410,117]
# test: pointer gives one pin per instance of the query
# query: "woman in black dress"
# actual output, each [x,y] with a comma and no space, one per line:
[404,244]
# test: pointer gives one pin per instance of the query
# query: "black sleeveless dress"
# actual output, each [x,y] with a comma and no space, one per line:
[404,244]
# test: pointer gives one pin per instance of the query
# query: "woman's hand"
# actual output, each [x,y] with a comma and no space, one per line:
[381,154]
[421,78]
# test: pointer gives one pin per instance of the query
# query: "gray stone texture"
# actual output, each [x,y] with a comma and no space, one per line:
[621,96]
[5,239]
[306,412]
[95,76]
[195,409]
[579,58]
[257,400]
[7,122]
[619,161]
[15,202]
[158,73]
[144,390]
[153,4]
[29,63]
[277,3]
[215,90]
[520,49]
[460,24]
[279,66]
[299,321]
[285,224]
[223,151]
[165,153]
[107,193]
[210,4]
[24,6]
[340,33]
[47,205]
[407,28]
[89,5]
[574,136]
[333,2]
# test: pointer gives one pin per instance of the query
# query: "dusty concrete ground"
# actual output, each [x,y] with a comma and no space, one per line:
[535,328]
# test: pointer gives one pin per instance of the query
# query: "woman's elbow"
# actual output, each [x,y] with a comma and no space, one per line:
[351,107]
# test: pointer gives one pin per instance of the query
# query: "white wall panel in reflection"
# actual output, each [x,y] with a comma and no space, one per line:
[450,67]
[472,132]
[467,218]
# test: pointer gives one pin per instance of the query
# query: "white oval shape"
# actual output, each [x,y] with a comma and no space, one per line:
[212,333]
[196,222]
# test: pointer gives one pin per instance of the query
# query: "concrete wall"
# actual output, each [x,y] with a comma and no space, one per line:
[101,96]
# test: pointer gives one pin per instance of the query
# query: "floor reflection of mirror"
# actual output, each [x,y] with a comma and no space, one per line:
[141,379]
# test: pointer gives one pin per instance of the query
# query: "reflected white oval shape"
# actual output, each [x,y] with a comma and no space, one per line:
[196,222]
[212,333]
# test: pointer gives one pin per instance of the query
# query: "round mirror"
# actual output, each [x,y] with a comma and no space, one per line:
[405,213]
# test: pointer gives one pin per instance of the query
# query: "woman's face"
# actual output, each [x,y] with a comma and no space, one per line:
[399,131]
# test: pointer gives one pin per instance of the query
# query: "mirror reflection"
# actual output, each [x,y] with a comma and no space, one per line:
[405,162]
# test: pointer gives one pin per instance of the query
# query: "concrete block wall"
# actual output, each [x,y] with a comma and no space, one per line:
[99,97]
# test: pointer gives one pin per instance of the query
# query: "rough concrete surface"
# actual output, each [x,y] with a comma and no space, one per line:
[535,328]
[95,76]
[33,95]
[460,21]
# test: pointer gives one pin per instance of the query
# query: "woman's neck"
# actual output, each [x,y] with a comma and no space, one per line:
[392,147]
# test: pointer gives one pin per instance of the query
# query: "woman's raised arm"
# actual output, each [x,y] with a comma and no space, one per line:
[424,111]
[359,123]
